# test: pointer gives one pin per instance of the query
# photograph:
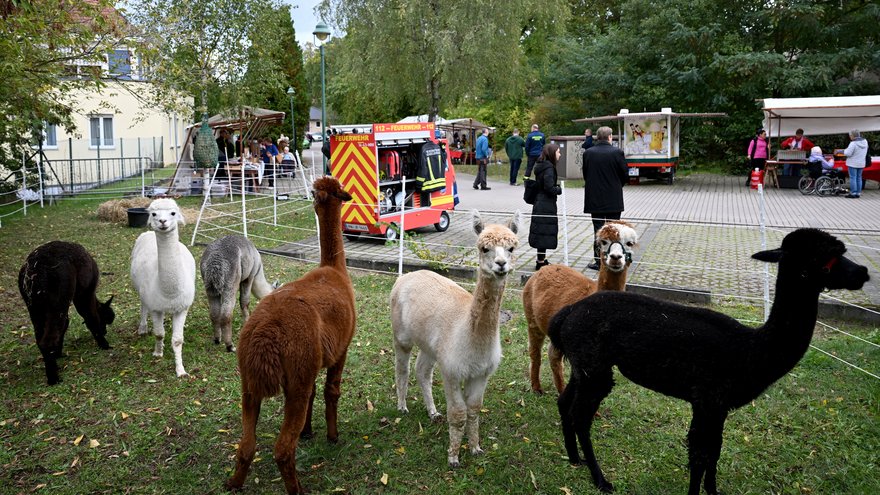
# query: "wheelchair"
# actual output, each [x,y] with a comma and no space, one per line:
[822,182]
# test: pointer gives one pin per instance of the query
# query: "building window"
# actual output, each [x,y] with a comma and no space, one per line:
[119,64]
[50,136]
[101,131]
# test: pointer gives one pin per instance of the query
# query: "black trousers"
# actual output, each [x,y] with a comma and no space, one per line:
[530,164]
[599,219]
[480,180]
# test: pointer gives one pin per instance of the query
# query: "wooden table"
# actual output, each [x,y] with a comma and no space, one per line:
[251,177]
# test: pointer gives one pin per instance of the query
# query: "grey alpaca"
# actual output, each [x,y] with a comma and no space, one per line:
[231,263]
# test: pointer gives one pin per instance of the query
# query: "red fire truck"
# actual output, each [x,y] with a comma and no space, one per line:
[379,169]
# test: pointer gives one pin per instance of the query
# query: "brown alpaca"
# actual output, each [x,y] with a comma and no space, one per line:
[553,287]
[295,331]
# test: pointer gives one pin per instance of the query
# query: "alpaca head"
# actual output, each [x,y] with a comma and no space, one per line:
[816,258]
[616,242]
[496,243]
[327,191]
[165,215]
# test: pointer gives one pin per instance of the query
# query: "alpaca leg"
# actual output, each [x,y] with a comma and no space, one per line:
[47,342]
[332,392]
[536,342]
[244,298]
[285,446]
[556,367]
[401,374]
[177,322]
[425,377]
[158,332]
[224,329]
[473,396]
[704,448]
[577,407]
[215,310]
[142,326]
[456,416]
[250,413]
[307,432]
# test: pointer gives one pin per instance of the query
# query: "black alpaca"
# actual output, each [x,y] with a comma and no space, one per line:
[53,275]
[694,354]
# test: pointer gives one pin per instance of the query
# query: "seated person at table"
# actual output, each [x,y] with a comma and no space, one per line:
[817,164]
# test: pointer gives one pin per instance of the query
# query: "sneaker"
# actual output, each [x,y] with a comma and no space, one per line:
[476,187]
[514,184]
[851,196]
[593,266]
[487,188]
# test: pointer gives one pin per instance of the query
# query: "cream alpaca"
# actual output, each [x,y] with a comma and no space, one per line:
[455,329]
[554,287]
[163,272]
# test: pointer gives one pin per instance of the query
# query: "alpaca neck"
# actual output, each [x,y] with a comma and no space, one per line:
[789,329]
[332,251]
[262,287]
[609,280]
[168,261]
[485,306]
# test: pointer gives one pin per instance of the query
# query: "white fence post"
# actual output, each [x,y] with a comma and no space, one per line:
[243,205]
[23,185]
[401,233]
[564,226]
[143,179]
[763,211]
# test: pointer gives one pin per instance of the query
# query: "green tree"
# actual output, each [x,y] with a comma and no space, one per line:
[192,46]
[44,52]
[425,56]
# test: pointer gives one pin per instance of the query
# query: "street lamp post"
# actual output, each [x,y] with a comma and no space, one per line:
[290,93]
[322,32]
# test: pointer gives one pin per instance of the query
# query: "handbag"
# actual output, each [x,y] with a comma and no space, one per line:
[530,194]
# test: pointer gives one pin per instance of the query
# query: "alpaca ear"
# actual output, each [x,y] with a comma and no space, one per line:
[109,300]
[180,218]
[477,221]
[770,256]
[343,195]
[514,222]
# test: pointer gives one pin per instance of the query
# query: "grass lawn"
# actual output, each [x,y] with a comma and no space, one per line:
[121,422]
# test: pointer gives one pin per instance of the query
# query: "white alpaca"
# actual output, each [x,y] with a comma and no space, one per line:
[163,272]
[455,329]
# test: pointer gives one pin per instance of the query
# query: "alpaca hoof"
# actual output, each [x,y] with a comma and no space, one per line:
[477,451]
[230,348]
[333,440]
[216,340]
[231,486]
[436,418]
[183,375]
[142,330]
[306,435]
[53,381]
[538,391]
[605,487]
[158,353]
[453,463]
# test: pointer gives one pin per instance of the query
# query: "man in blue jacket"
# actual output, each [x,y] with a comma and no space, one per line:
[534,144]
[481,154]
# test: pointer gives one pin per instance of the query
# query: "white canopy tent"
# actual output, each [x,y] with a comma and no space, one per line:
[821,116]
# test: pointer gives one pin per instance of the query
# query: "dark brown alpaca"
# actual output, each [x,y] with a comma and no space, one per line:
[53,275]
[300,328]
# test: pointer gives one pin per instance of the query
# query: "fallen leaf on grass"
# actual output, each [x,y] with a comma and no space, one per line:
[534,483]
[78,440]
[124,416]
[59,473]
[75,462]
[566,490]
[369,406]
[384,478]
[94,443]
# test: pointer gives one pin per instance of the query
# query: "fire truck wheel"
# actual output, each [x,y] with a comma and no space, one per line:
[391,233]
[443,224]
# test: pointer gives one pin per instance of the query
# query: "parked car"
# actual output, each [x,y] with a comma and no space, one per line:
[314,136]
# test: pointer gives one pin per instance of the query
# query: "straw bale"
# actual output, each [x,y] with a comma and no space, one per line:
[116,210]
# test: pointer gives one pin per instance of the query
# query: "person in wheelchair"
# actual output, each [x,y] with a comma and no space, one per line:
[818,165]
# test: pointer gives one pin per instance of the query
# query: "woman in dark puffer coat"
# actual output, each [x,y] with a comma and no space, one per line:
[545,225]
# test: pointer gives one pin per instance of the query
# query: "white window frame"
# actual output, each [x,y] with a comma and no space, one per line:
[46,145]
[101,137]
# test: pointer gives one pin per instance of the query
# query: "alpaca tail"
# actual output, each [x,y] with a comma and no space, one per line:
[215,274]
[260,364]
[556,324]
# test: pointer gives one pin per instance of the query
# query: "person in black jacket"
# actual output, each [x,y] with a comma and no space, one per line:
[545,225]
[605,173]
